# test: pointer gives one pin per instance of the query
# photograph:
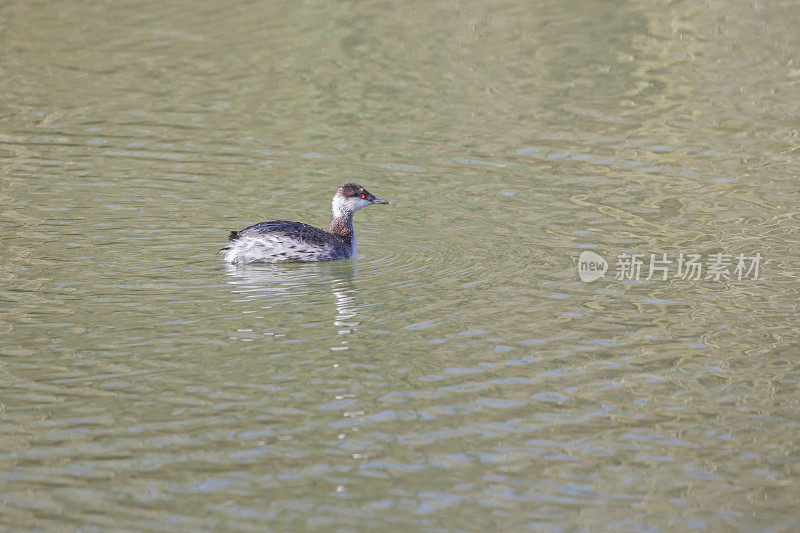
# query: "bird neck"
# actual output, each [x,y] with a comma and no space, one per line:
[342,225]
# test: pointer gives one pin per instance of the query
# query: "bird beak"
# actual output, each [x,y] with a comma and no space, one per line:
[377,200]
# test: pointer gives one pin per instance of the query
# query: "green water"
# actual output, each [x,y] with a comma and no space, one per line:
[457,374]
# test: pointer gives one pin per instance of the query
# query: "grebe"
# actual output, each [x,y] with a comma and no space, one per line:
[281,241]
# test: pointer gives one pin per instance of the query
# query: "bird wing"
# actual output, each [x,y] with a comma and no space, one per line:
[298,231]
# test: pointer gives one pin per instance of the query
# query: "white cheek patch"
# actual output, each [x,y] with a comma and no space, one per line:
[339,206]
[342,206]
[362,203]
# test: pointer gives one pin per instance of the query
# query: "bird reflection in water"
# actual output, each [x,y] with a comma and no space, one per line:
[302,285]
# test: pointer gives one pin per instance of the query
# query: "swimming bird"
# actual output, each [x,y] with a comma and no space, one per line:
[281,241]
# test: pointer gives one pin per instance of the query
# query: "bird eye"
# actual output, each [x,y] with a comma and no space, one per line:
[363,196]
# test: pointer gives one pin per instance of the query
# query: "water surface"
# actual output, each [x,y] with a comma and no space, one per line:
[457,374]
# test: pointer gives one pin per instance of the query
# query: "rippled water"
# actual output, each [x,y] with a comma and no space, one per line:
[457,374]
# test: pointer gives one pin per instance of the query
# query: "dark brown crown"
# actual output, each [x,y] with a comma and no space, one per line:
[351,189]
